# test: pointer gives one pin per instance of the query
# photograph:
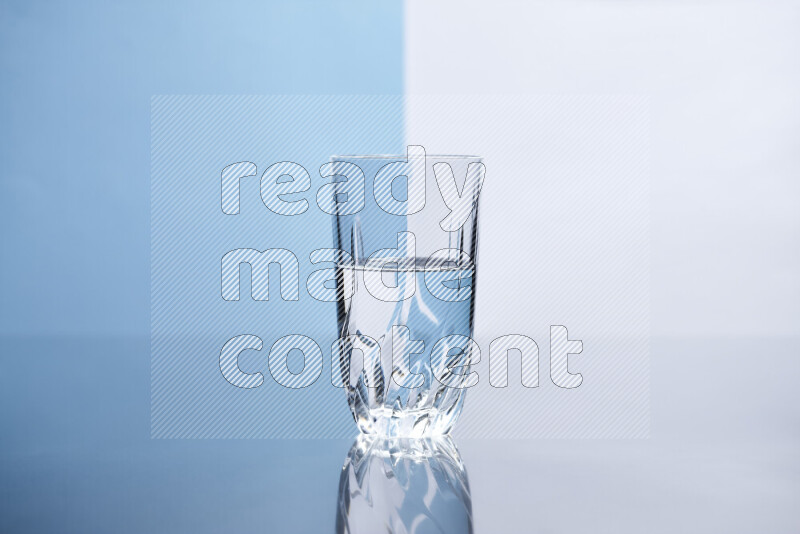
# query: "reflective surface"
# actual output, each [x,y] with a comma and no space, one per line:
[414,486]
[77,456]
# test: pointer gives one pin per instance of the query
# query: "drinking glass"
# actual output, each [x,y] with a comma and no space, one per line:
[407,227]
[404,485]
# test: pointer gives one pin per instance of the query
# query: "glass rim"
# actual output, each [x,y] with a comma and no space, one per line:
[347,157]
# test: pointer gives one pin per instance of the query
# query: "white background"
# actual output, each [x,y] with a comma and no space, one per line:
[723,86]
[725,162]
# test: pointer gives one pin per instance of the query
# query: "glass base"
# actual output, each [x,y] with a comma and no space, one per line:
[422,423]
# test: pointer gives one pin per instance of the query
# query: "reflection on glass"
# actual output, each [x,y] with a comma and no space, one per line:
[403,485]
[406,288]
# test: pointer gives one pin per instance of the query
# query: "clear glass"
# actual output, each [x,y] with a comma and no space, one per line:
[405,355]
[404,485]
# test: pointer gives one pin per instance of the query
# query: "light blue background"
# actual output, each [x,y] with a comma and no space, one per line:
[193,139]
[75,90]
[76,86]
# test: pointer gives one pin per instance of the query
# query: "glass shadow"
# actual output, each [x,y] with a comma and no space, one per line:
[403,485]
